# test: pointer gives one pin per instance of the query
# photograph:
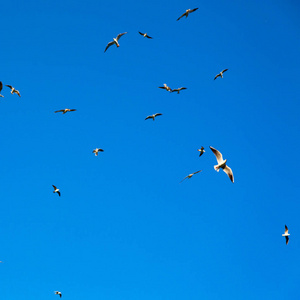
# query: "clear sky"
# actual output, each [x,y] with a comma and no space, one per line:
[124,227]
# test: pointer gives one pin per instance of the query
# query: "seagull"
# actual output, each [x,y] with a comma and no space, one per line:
[178,90]
[286,234]
[165,87]
[145,35]
[97,150]
[201,151]
[187,12]
[220,74]
[65,110]
[190,175]
[115,41]
[1,86]
[56,190]
[13,90]
[222,163]
[153,116]
[57,293]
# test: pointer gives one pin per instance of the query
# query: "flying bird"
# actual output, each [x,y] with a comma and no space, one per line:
[115,41]
[187,12]
[153,116]
[13,90]
[201,151]
[165,87]
[190,175]
[97,150]
[220,74]
[145,35]
[178,90]
[56,190]
[58,293]
[65,110]
[1,87]
[222,163]
[286,234]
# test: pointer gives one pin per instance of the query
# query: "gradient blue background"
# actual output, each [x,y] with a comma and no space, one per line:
[124,228]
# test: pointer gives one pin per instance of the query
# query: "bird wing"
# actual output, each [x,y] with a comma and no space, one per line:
[141,33]
[9,86]
[224,70]
[72,110]
[217,76]
[184,178]
[181,16]
[201,153]
[59,110]
[149,37]
[175,90]
[286,229]
[202,148]
[119,35]
[108,45]
[217,154]
[182,88]
[58,193]
[101,150]
[18,93]
[149,117]
[197,172]
[228,171]
[192,10]
[157,115]
[286,240]
[60,295]
[54,186]
[162,87]
[1,86]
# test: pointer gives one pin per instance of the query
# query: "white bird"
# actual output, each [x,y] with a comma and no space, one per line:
[220,74]
[187,12]
[286,234]
[56,190]
[65,110]
[97,150]
[222,163]
[13,90]
[178,90]
[165,87]
[153,116]
[1,86]
[190,175]
[58,293]
[201,151]
[115,41]
[145,35]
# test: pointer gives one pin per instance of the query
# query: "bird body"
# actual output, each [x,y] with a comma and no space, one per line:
[56,190]
[13,90]
[65,110]
[220,74]
[165,87]
[115,41]
[286,234]
[187,12]
[97,150]
[153,116]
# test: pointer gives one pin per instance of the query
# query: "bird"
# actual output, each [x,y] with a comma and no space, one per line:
[286,234]
[201,151]
[165,87]
[65,110]
[187,12]
[115,41]
[179,89]
[1,86]
[153,116]
[222,163]
[58,293]
[13,90]
[220,74]
[190,175]
[56,190]
[97,150]
[145,35]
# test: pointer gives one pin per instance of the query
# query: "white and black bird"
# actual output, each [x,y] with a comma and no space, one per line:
[65,110]
[145,35]
[220,74]
[222,163]
[13,90]
[115,41]
[201,150]
[286,234]
[97,150]
[165,87]
[179,89]
[190,175]
[153,116]
[1,87]
[187,12]
[56,190]
[58,293]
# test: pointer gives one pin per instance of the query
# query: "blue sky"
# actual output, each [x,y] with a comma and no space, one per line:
[124,228]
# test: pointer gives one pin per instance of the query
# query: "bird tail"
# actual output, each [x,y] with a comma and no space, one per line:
[217,168]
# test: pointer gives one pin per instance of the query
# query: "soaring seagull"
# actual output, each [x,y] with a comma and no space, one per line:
[165,87]
[145,35]
[222,163]
[286,234]
[201,151]
[190,175]
[115,41]
[179,89]
[220,74]
[56,190]
[13,90]
[1,87]
[65,110]
[97,150]
[57,293]
[187,12]
[153,116]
